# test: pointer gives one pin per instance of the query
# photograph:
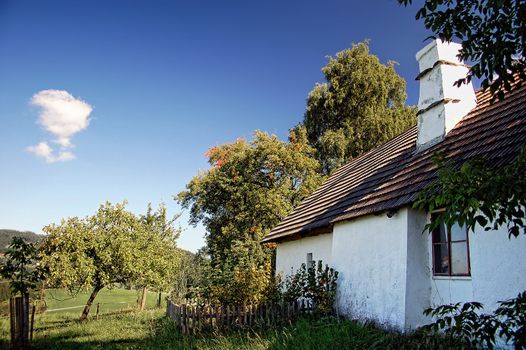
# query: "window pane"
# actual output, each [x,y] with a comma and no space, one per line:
[458,233]
[439,234]
[310,262]
[441,262]
[459,258]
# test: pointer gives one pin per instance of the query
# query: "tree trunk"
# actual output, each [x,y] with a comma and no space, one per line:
[143,298]
[85,313]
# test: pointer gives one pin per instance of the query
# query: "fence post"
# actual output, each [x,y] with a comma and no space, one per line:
[183,319]
[32,323]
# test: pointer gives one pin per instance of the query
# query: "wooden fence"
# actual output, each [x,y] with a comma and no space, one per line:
[193,319]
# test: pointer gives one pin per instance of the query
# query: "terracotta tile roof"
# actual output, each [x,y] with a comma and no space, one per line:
[391,175]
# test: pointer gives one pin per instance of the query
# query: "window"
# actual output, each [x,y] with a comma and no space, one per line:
[451,251]
[310,262]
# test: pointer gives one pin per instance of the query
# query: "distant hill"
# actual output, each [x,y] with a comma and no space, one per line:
[7,235]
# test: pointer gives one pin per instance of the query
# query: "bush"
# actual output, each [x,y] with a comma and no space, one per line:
[316,283]
[463,323]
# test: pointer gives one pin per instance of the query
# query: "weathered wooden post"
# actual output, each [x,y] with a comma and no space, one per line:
[19,317]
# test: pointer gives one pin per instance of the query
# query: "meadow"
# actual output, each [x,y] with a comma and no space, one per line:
[120,326]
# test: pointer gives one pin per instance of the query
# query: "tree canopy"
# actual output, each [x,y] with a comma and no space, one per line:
[492,33]
[361,105]
[111,246]
[249,188]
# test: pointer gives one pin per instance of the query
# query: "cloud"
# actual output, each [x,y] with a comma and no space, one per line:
[43,150]
[62,115]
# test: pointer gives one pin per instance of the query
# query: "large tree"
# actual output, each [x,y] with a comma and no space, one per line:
[249,188]
[492,33]
[361,105]
[112,246]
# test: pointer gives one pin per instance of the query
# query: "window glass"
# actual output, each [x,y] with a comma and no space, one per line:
[439,234]
[441,256]
[459,258]
[458,233]
[310,262]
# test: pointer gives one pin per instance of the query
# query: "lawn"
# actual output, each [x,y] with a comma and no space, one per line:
[120,326]
[151,330]
[60,301]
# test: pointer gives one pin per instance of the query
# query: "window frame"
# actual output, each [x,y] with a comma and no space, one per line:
[434,243]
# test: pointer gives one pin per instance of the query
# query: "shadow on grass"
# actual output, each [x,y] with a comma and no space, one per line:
[51,325]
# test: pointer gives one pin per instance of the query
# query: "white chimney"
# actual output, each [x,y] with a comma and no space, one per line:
[441,105]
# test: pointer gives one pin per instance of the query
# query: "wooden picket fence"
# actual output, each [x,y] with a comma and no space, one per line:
[193,319]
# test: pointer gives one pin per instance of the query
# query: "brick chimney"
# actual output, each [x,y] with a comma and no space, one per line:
[441,105]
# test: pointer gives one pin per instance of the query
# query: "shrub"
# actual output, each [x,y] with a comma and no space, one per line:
[463,322]
[317,283]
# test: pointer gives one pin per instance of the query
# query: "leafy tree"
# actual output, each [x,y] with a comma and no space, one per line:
[250,187]
[94,252]
[492,33]
[360,106]
[160,254]
[476,193]
[20,266]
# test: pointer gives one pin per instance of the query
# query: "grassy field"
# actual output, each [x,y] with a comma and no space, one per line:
[120,327]
[151,330]
[59,301]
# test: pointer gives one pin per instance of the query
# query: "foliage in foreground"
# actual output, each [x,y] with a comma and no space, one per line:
[20,266]
[477,193]
[478,330]
[492,36]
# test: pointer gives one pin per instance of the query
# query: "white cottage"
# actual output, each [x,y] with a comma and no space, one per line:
[361,221]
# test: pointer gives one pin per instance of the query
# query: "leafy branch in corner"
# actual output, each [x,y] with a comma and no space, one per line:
[477,193]
[492,35]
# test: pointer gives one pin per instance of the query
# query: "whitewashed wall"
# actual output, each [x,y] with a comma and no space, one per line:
[290,255]
[418,287]
[370,254]
[498,271]
[385,267]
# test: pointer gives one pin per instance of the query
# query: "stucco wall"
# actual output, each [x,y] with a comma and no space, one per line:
[290,255]
[385,268]
[498,271]
[418,288]
[371,253]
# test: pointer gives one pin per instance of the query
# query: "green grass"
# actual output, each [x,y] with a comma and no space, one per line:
[110,300]
[151,330]
[121,328]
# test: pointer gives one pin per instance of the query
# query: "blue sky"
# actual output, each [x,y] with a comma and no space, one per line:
[165,81]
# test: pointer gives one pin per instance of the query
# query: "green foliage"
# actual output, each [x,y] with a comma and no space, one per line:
[111,247]
[191,279]
[20,266]
[360,106]
[160,256]
[477,330]
[97,251]
[477,193]
[249,189]
[317,283]
[512,314]
[492,36]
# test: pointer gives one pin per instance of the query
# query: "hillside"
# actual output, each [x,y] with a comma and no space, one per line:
[7,235]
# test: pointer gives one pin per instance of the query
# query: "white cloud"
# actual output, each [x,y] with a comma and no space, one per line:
[62,115]
[43,150]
